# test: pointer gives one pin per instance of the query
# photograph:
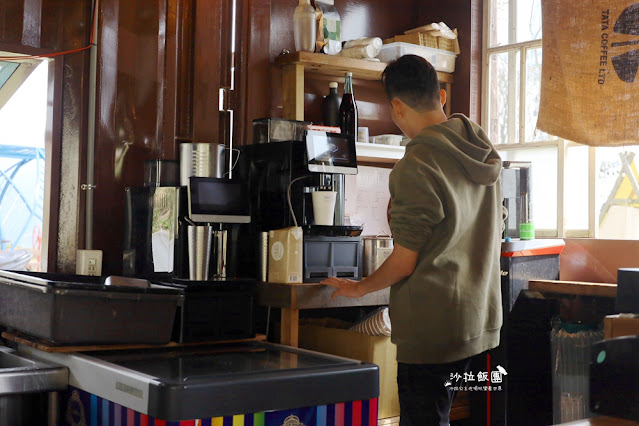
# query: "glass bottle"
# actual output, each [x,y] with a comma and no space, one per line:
[348,108]
[330,106]
[304,29]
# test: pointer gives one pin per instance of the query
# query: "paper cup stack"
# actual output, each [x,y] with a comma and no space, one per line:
[377,324]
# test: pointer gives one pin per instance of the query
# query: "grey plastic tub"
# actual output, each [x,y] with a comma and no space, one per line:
[71,309]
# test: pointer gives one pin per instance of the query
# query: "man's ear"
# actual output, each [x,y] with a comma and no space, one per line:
[399,107]
[442,96]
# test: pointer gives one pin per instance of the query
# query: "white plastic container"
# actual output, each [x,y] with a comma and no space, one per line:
[304,27]
[442,60]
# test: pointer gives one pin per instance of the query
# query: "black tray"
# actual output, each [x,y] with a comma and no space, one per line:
[333,231]
[75,309]
[214,310]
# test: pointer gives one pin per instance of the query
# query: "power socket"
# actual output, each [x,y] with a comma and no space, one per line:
[88,262]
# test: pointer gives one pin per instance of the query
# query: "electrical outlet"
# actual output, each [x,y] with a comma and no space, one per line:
[88,262]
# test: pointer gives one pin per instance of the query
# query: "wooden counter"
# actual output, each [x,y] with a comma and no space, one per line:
[291,298]
[574,288]
[601,421]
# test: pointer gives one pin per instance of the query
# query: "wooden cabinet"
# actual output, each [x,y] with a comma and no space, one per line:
[296,65]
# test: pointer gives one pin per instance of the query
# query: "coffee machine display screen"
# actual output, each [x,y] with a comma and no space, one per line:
[214,200]
[331,152]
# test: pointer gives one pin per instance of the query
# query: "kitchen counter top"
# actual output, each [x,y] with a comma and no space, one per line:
[313,296]
[293,297]
[601,421]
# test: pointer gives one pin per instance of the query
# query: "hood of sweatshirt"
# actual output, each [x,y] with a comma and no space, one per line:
[467,143]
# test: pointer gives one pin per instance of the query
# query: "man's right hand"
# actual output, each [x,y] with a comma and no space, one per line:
[345,288]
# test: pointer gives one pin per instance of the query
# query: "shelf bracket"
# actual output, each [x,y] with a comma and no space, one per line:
[293,91]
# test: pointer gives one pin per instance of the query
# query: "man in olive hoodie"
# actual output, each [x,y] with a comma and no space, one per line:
[445,217]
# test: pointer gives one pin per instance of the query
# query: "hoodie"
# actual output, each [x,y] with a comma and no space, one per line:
[447,206]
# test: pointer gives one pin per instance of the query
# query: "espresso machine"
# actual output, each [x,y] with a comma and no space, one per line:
[160,215]
[281,178]
[175,233]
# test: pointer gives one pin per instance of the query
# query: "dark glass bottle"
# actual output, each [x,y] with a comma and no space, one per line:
[330,106]
[348,108]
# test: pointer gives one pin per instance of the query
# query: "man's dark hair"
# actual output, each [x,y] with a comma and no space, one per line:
[413,80]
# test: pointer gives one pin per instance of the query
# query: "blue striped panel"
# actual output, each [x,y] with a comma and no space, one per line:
[105,413]
[321,415]
[94,410]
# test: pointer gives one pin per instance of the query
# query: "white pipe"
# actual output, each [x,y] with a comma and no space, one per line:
[93,60]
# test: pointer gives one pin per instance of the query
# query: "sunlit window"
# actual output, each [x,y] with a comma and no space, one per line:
[23,112]
[577,191]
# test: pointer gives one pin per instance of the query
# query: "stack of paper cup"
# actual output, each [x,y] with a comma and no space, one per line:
[377,324]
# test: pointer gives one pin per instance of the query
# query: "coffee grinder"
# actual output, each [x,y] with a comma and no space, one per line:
[281,178]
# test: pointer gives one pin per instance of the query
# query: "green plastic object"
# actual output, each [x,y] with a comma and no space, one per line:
[601,357]
[527,231]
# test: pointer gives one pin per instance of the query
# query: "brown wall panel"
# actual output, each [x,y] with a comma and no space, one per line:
[207,60]
[130,92]
[183,85]
[11,12]
[256,92]
[53,25]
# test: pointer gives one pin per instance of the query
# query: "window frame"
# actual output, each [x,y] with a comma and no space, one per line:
[559,144]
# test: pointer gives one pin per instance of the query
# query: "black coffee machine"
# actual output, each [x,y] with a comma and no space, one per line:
[279,172]
[157,219]
[157,222]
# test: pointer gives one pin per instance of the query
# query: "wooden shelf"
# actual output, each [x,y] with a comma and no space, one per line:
[336,66]
[295,65]
[46,346]
[376,153]
[574,288]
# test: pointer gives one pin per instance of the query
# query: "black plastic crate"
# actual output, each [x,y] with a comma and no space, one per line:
[77,309]
[326,257]
[215,310]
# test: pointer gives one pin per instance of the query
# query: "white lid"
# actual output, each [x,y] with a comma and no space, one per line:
[332,85]
[349,74]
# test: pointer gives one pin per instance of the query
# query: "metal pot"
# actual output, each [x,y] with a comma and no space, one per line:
[202,160]
[376,251]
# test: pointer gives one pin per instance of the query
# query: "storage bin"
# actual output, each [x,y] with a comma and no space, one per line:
[326,257]
[77,309]
[440,59]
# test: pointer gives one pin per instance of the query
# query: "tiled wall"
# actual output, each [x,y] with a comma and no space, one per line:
[366,199]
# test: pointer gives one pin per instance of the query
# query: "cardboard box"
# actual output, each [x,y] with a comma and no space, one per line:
[350,344]
[285,255]
[617,326]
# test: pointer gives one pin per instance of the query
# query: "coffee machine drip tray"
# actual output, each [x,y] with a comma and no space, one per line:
[333,231]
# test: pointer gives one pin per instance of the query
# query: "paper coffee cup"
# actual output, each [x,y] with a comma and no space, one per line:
[324,207]
[362,134]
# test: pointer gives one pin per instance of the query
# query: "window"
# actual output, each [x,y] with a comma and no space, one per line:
[23,117]
[576,190]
